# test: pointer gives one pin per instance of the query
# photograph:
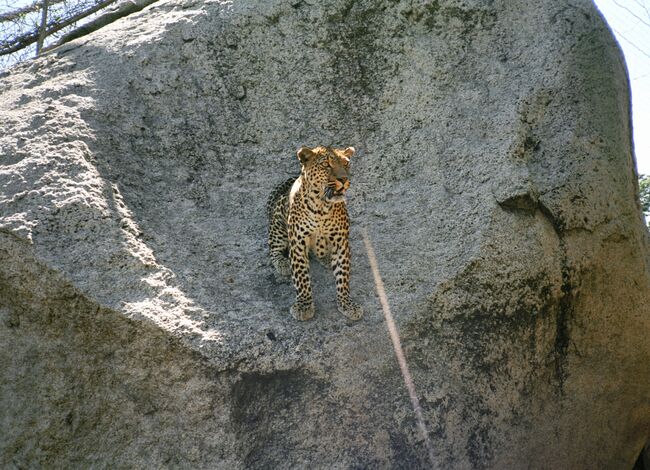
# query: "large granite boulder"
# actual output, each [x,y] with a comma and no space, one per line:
[141,325]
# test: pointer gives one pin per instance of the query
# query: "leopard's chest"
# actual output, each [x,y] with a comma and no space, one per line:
[319,222]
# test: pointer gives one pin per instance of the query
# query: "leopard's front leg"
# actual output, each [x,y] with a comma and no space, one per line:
[341,267]
[303,309]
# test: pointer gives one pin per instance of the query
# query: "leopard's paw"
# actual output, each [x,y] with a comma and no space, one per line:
[282,268]
[303,311]
[350,309]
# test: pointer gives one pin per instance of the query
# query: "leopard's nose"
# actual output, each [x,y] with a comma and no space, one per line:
[342,183]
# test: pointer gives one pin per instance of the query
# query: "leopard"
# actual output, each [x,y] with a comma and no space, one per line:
[308,215]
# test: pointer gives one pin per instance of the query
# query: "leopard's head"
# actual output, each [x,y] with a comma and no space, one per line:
[326,171]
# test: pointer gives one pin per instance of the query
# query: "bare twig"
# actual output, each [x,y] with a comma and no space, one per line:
[20,42]
[632,13]
[618,33]
[125,9]
[43,28]
[644,6]
[20,12]
[15,14]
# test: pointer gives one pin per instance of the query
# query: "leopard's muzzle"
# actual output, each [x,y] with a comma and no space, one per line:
[335,190]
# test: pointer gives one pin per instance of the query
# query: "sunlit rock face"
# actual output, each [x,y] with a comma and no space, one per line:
[140,321]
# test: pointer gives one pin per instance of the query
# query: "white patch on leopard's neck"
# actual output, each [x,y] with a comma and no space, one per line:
[295,188]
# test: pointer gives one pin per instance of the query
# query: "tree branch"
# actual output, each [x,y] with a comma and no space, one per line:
[34,7]
[42,29]
[124,9]
[20,42]
[14,15]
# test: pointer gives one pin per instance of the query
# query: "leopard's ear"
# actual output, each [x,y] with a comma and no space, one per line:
[305,154]
[348,152]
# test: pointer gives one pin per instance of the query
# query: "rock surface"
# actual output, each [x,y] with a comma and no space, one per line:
[140,321]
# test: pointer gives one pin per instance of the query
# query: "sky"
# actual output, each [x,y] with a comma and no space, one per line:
[630,23]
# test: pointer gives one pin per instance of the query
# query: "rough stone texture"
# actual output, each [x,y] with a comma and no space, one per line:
[141,324]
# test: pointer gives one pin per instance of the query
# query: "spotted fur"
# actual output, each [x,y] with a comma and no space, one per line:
[308,214]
